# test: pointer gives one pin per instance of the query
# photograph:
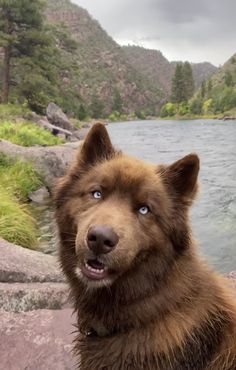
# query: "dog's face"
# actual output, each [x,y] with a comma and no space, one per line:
[121,210]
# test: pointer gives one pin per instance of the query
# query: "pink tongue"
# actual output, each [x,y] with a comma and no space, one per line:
[96,264]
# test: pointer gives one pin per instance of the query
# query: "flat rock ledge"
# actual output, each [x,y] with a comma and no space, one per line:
[37,326]
[23,265]
[37,340]
[35,316]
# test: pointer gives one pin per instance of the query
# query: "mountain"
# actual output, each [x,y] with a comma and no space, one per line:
[227,71]
[140,77]
[159,70]
[104,71]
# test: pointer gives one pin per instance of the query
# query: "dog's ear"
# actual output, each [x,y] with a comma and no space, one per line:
[182,176]
[96,147]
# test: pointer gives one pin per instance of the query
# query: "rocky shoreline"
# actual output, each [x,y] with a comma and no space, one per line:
[36,315]
[37,321]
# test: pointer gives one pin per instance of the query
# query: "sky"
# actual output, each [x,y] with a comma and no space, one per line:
[193,30]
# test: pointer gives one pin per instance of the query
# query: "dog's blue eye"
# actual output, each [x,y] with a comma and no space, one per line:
[144,210]
[97,194]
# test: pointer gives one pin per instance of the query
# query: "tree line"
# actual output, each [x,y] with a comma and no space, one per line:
[210,99]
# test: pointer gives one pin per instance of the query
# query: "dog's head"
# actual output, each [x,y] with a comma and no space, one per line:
[114,212]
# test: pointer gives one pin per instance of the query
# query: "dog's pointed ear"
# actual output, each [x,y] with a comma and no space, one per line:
[182,176]
[96,147]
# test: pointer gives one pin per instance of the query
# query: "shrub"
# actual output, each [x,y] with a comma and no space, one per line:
[27,134]
[168,110]
[196,105]
[183,108]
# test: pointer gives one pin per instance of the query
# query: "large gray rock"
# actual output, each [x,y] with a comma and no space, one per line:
[50,162]
[22,265]
[21,297]
[58,118]
[37,340]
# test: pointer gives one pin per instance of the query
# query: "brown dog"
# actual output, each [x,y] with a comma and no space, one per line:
[145,301]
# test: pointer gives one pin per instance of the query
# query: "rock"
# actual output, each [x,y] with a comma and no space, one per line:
[55,130]
[81,133]
[229,118]
[37,340]
[40,196]
[50,162]
[20,297]
[56,116]
[22,265]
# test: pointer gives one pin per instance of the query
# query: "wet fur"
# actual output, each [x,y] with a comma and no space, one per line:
[165,309]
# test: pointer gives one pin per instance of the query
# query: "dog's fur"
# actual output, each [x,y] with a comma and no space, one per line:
[161,308]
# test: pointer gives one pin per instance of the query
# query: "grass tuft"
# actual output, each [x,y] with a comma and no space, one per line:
[27,134]
[16,224]
[10,111]
[17,179]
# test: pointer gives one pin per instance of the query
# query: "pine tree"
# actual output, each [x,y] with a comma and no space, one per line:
[96,107]
[188,81]
[203,89]
[177,90]
[20,24]
[117,105]
[209,87]
[228,79]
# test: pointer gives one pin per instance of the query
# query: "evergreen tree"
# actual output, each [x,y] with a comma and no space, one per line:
[96,107]
[177,90]
[117,105]
[203,89]
[21,23]
[228,79]
[209,87]
[188,81]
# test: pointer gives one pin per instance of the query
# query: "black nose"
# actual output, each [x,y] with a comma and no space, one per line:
[102,239]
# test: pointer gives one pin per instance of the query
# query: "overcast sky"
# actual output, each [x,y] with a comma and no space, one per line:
[194,30]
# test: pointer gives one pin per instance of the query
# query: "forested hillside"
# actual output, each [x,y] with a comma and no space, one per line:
[216,96]
[63,55]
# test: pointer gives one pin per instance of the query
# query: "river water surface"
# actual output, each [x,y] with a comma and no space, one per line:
[214,212]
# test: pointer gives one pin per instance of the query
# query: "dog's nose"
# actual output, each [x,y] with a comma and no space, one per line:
[102,239]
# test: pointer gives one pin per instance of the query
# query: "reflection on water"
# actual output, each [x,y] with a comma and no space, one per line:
[214,213]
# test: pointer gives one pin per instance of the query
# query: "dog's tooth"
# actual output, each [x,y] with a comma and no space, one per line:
[98,271]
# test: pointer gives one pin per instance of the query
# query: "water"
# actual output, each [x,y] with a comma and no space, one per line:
[214,212]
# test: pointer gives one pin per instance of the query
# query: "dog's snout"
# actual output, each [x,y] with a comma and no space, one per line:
[102,239]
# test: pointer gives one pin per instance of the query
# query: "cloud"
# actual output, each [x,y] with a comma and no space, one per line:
[196,30]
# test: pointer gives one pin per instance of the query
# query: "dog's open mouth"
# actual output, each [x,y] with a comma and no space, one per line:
[94,269]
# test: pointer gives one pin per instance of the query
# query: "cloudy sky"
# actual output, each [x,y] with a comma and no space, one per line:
[194,30]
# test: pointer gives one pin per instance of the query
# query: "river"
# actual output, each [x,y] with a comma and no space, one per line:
[214,213]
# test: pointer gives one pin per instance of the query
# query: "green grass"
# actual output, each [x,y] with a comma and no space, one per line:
[27,134]
[16,181]
[16,224]
[19,178]
[10,111]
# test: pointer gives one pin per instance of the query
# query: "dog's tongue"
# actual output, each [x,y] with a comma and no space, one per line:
[96,264]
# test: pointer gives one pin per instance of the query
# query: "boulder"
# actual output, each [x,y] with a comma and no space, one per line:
[50,162]
[21,297]
[22,265]
[37,340]
[55,130]
[58,118]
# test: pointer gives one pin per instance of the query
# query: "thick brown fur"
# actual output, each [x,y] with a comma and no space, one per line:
[162,308]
